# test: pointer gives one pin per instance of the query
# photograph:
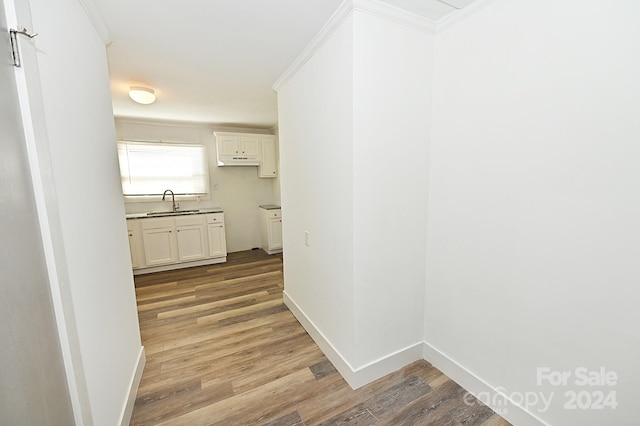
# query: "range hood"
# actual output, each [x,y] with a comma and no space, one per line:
[229,160]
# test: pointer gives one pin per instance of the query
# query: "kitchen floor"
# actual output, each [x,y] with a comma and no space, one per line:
[223,349]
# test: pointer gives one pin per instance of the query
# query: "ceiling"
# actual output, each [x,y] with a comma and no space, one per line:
[215,61]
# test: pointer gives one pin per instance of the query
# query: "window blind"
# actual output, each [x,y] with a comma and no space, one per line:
[149,168]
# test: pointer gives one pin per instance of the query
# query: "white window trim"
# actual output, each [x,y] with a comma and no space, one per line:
[206,195]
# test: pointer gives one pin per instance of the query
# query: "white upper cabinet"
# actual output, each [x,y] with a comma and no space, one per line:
[248,149]
[237,144]
[269,157]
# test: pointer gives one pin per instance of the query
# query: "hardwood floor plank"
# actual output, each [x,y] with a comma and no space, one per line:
[164,303]
[291,419]
[199,307]
[223,349]
[223,412]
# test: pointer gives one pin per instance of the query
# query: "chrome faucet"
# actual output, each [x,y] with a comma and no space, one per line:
[173,199]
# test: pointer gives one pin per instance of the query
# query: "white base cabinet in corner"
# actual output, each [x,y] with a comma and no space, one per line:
[271,228]
[164,243]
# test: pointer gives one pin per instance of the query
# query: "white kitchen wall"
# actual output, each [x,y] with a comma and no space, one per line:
[354,134]
[75,171]
[534,201]
[239,192]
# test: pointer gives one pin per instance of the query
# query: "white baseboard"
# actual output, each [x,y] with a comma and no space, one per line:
[490,395]
[355,377]
[127,410]
[326,347]
[181,265]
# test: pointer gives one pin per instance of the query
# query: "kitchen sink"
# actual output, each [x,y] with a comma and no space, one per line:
[171,212]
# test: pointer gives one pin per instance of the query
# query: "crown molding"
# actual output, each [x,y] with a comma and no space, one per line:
[92,12]
[346,9]
[343,12]
[453,18]
[395,14]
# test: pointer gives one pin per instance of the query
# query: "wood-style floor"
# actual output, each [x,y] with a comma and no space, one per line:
[223,349]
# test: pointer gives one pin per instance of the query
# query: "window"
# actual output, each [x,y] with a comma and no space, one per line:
[149,168]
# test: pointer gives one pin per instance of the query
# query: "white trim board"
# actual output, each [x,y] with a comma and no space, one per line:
[453,18]
[475,385]
[355,377]
[358,377]
[382,10]
[127,410]
[346,9]
[96,19]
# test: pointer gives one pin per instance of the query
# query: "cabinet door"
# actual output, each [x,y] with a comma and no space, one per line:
[159,246]
[275,233]
[133,249]
[191,242]
[228,145]
[268,163]
[217,240]
[249,145]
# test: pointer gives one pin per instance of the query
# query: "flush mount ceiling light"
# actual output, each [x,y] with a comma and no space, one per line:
[142,95]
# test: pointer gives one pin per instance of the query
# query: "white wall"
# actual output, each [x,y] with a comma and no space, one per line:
[316,155]
[80,207]
[532,257]
[353,152]
[33,388]
[239,192]
[392,108]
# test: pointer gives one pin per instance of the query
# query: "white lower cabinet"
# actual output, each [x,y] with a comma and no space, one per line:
[159,241]
[191,236]
[134,243]
[176,241]
[217,239]
[271,229]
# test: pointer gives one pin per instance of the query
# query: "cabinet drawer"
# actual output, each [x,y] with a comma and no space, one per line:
[161,222]
[215,218]
[271,214]
[195,219]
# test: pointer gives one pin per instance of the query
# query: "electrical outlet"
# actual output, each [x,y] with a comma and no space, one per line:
[306,238]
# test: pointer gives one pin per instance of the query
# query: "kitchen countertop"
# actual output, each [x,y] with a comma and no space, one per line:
[269,207]
[177,213]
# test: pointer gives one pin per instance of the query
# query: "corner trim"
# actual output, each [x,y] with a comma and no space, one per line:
[334,22]
[395,14]
[127,410]
[92,12]
[473,384]
[453,18]
[346,9]
[355,377]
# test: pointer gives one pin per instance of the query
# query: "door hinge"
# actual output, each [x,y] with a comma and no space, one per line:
[15,51]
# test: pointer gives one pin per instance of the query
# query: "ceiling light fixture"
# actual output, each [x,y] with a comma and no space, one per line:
[142,95]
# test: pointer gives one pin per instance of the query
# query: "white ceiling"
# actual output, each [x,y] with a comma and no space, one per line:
[214,61]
